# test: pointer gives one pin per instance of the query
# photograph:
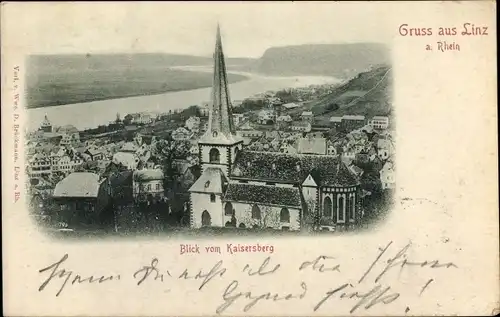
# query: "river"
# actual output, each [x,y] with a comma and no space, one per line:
[91,114]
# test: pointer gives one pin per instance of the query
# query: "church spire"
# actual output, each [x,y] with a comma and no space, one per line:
[220,125]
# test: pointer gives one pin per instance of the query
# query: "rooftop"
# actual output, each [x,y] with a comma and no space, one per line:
[79,184]
[292,168]
[265,195]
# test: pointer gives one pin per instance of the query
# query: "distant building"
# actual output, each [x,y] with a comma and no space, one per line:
[301,126]
[148,185]
[238,118]
[385,149]
[387,176]
[127,159]
[379,122]
[307,116]
[336,121]
[94,154]
[141,118]
[311,145]
[39,165]
[352,122]
[290,105]
[46,125]
[82,197]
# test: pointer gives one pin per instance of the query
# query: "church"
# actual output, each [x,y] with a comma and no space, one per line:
[250,189]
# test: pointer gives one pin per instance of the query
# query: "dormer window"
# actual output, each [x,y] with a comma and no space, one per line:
[207,184]
[248,164]
[273,166]
[297,167]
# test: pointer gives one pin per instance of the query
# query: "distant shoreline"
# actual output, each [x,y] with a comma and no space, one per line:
[240,78]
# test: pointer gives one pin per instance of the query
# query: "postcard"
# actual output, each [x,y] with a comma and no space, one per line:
[249,159]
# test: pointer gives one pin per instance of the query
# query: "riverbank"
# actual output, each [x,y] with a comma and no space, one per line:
[67,88]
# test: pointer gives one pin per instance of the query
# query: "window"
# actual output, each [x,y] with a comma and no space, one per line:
[214,156]
[353,208]
[327,207]
[157,186]
[207,183]
[242,226]
[255,212]
[212,198]
[340,216]
[228,209]
[284,215]
[149,187]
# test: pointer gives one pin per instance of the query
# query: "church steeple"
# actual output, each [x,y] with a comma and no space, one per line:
[221,127]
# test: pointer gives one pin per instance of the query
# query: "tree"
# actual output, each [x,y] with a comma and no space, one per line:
[167,150]
[332,107]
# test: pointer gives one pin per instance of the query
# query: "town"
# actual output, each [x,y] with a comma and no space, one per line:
[267,162]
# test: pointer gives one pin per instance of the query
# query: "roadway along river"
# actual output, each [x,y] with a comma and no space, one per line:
[91,114]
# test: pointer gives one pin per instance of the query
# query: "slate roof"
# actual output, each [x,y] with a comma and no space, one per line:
[212,180]
[265,195]
[282,168]
[79,184]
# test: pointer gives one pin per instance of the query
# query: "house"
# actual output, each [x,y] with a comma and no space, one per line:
[238,117]
[352,122]
[251,189]
[311,145]
[301,126]
[291,105]
[129,147]
[385,148]
[266,117]
[307,116]
[181,134]
[127,159]
[379,122]
[82,197]
[336,121]
[331,149]
[148,185]
[388,176]
[94,154]
[141,118]
[39,165]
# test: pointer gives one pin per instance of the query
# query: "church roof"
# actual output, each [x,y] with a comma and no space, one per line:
[292,168]
[221,128]
[265,195]
[212,180]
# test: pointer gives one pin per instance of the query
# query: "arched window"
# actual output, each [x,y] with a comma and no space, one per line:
[255,212]
[284,215]
[236,152]
[228,209]
[206,220]
[212,198]
[242,226]
[214,156]
[340,216]
[327,207]
[353,207]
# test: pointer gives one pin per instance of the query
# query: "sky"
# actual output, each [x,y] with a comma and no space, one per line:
[247,29]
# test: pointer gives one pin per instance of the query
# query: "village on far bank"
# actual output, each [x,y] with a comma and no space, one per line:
[268,162]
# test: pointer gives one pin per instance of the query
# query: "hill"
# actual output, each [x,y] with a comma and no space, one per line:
[65,79]
[338,60]
[369,93]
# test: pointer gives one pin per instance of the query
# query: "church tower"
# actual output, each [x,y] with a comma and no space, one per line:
[46,125]
[218,148]
[220,144]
